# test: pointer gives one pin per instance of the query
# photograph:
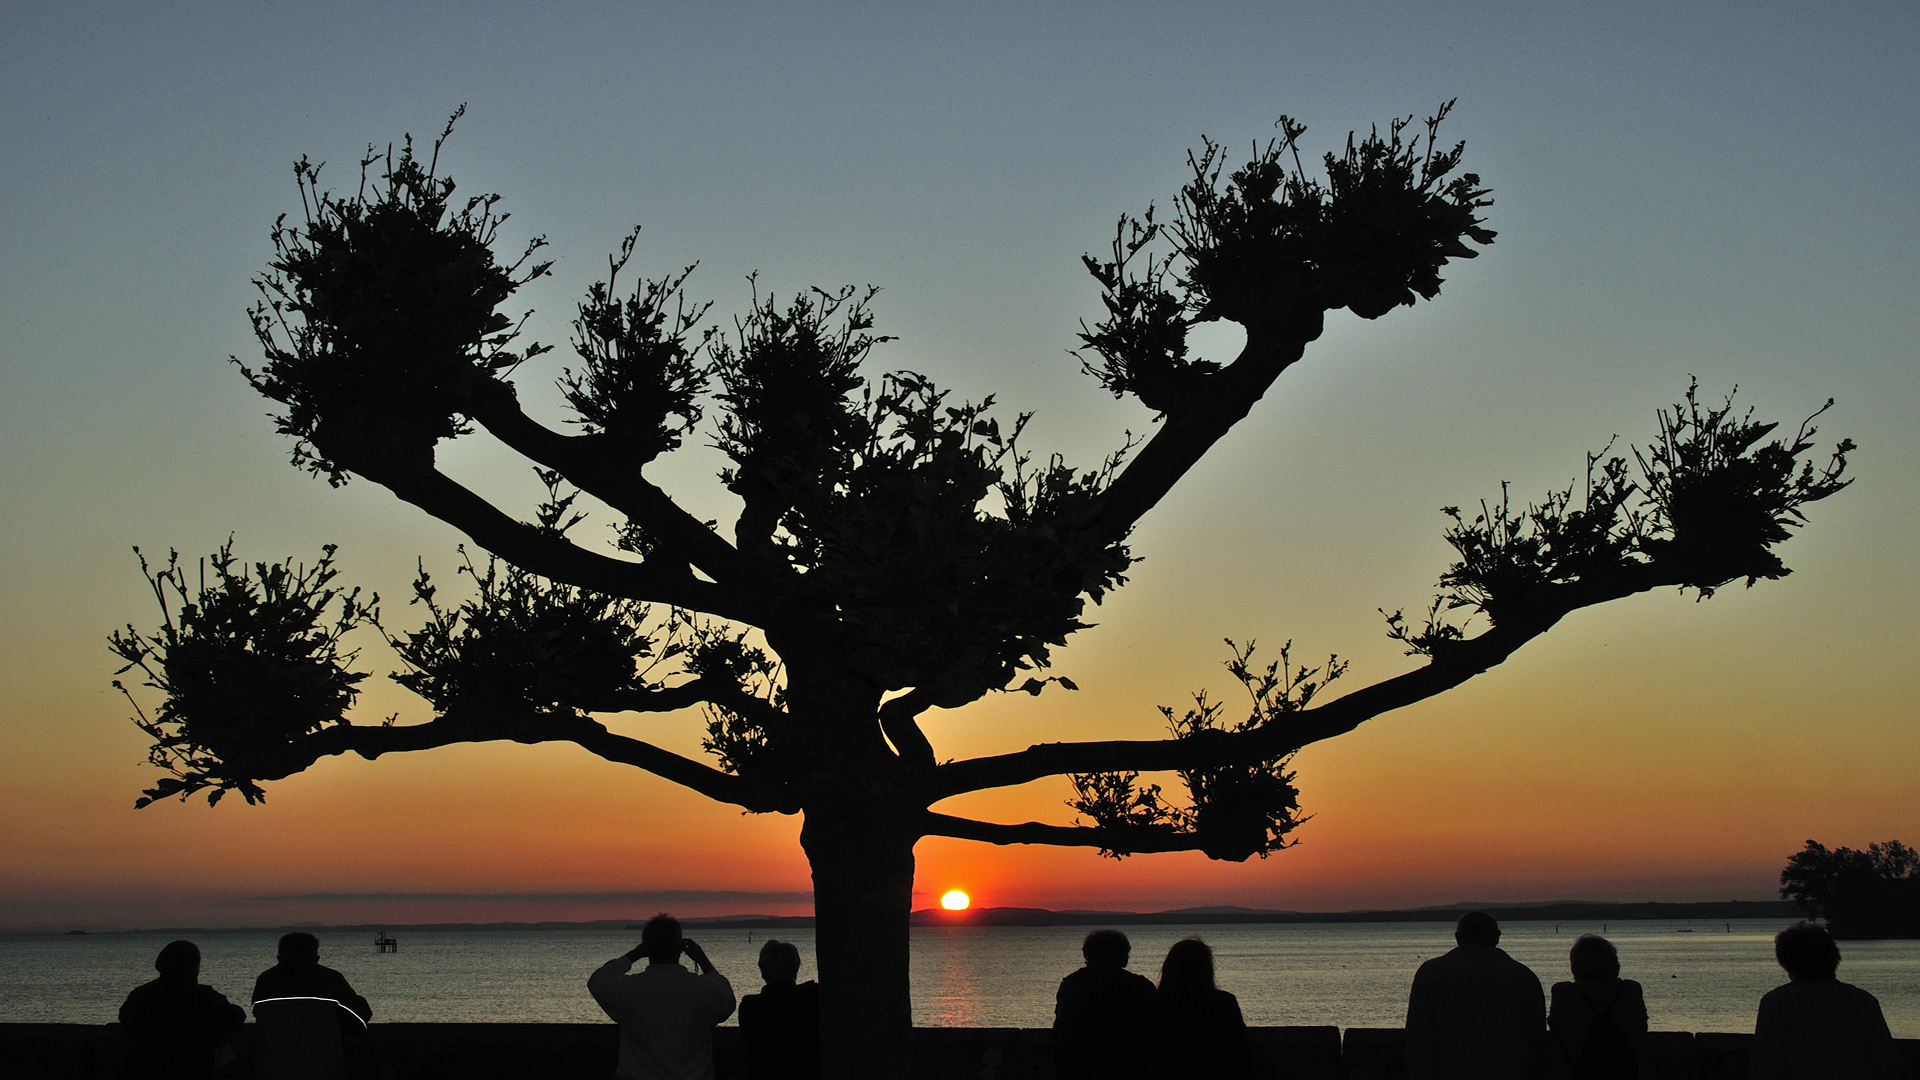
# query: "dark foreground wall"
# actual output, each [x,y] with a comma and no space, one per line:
[588,1051]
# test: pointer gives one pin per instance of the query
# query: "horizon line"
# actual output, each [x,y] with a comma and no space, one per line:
[1209,913]
[625,897]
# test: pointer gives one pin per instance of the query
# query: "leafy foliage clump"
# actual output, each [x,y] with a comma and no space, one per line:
[790,422]
[1272,248]
[1236,810]
[248,662]
[522,648]
[379,311]
[643,376]
[738,729]
[914,524]
[1141,346]
[1273,244]
[928,583]
[1708,506]
[1505,556]
[1721,499]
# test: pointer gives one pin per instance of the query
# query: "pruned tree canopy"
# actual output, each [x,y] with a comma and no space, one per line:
[897,549]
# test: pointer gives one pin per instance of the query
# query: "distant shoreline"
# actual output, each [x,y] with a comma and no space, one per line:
[1561,911]
[1554,911]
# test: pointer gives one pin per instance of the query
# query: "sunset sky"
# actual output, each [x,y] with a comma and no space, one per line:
[1725,191]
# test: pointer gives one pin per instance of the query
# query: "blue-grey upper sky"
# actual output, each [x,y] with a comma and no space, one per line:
[1714,190]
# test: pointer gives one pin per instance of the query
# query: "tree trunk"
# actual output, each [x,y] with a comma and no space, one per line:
[862,899]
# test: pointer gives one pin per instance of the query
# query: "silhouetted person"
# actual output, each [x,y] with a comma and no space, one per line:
[1817,1027]
[1475,1013]
[1197,1026]
[666,1013]
[1103,1013]
[1600,1019]
[303,1011]
[175,1024]
[781,1024]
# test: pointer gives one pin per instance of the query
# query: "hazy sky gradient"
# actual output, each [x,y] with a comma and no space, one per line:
[1724,191]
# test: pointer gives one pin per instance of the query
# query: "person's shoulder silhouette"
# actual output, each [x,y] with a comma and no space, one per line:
[304,1012]
[665,1012]
[1817,1025]
[1599,1020]
[175,1024]
[1475,1012]
[1199,1030]
[781,1024]
[1102,1012]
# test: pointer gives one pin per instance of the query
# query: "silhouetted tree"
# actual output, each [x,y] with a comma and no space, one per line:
[1862,894]
[896,550]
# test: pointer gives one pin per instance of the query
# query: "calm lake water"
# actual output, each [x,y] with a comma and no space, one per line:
[1698,976]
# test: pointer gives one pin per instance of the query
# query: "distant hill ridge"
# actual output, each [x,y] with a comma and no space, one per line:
[1548,911]
[1535,911]
[1538,911]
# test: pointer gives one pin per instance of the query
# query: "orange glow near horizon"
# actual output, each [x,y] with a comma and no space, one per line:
[1654,748]
[955,900]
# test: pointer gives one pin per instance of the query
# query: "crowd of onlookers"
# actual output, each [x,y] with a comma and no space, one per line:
[1474,1013]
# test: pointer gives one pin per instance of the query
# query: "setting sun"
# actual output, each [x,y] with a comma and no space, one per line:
[955,901]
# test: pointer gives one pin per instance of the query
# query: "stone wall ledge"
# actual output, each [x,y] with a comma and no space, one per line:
[588,1052]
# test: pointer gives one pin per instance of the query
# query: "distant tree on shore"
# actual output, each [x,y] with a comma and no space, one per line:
[895,551]
[1861,894]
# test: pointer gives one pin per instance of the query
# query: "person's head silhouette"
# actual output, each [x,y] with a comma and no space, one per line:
[1807,952]
[1188,968]
[179,960]
[779,962]
[299,947]
[1476,928]
[1106,949]
[1593,957]
[660,939]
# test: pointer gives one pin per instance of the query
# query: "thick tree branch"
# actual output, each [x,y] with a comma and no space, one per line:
[553,556]
[1033,832]
[585,461]
[1206,413]
[759,519]
[1452,665]
[724,693]
[482,725]
[663,698]
[705,779]
[898,723]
